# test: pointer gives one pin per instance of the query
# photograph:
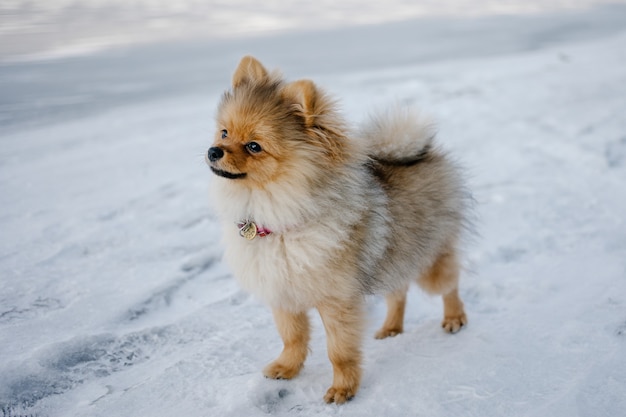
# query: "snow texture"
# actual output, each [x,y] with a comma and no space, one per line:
[53,28]
[114,299]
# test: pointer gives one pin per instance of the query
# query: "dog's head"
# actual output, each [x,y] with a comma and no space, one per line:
[268,130]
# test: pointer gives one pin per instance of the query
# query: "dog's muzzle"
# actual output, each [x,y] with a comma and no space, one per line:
[215,154]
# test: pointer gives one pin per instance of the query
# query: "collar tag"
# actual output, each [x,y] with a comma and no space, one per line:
[247,229]
[250,230]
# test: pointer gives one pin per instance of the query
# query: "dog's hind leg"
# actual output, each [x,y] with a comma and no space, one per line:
[294,329]
[394,322]
[443,278]
[453,314]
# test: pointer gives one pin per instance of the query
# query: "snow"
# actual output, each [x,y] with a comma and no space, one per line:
[37,29]
[114,300]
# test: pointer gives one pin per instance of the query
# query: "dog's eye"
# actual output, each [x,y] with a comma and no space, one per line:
[224,133]
[253,147]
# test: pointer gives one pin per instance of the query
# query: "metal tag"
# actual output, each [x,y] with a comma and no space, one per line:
[248,230]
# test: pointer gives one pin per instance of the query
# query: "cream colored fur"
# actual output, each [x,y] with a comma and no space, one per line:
[350,214]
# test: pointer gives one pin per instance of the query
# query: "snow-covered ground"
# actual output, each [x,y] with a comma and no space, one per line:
[113,298]
[69,27]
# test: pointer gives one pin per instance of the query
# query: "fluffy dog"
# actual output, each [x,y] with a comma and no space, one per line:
[316,216]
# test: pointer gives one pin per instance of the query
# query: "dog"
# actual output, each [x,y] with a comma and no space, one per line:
[318,216]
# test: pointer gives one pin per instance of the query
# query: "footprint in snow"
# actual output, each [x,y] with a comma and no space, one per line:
[615,153]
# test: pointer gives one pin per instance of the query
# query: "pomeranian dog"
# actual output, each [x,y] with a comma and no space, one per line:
[317,216]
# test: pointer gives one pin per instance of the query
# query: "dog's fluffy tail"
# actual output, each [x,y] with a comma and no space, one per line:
[398,134]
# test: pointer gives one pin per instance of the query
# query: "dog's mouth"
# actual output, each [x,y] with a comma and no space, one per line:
[227,174]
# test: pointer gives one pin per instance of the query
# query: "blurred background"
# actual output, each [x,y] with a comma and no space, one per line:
[39,28]
[61,59]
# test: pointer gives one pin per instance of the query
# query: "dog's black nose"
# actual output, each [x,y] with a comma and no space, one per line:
[215,153]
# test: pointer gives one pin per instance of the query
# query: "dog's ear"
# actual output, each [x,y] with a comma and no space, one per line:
[304,94]
[249,69]
[323,126]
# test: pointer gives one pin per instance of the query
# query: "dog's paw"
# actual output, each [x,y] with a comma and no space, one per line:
[385,332]
[339,395]
[453,324]
[278,370]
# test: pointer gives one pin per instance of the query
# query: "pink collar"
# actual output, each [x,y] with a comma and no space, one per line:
[249,229]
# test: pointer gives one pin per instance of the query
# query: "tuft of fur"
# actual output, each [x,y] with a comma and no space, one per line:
[397,134]
[349,214]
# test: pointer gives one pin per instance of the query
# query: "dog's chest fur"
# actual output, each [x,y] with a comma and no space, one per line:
[320,247]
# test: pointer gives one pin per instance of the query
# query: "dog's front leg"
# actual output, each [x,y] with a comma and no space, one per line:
[343,321]
[295,331]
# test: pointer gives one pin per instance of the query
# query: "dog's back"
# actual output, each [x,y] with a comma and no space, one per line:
[426,207]
[426,201]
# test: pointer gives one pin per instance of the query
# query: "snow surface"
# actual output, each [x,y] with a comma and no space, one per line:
[114,301]
[50,28]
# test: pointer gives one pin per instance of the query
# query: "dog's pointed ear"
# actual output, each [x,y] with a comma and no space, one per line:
[304,93]
[249,69]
